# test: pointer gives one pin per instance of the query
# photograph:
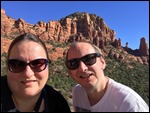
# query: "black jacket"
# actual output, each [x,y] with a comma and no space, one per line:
[54,101]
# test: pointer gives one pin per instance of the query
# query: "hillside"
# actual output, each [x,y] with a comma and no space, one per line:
[130,67]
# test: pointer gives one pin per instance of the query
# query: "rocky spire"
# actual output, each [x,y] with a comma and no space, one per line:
[143,49]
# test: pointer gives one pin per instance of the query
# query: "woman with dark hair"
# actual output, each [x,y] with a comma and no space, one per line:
[24,89]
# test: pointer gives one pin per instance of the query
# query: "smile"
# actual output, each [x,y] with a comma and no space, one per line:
[84,76]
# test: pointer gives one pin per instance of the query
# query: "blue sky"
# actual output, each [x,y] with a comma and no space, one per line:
[130,19]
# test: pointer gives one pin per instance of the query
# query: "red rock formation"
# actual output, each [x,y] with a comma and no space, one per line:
[143,49]
[117,43]
[72,28]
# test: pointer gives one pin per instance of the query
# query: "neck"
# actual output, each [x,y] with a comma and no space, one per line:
[98,92]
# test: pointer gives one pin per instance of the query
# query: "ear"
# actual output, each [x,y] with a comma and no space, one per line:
[103,63]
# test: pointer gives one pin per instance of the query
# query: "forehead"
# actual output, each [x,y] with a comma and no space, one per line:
[80,49]
[27,47]
[27,43]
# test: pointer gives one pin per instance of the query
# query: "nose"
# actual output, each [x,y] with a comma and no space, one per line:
[28,72]
[82,66]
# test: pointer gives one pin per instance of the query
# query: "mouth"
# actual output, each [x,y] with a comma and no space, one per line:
[85,76]
[28,81]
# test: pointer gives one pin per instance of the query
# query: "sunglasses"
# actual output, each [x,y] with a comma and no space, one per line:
[17,66]
[88,60]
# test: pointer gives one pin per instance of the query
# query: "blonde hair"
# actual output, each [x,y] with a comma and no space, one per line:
[97,49]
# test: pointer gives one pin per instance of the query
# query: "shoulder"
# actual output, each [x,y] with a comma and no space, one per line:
[122,89]
[126,95]
[78,91]
[119,87]
[78,88]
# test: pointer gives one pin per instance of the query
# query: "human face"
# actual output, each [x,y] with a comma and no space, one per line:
[27,83]
[86,75]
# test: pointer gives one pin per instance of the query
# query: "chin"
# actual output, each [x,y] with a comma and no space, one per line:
[29,92]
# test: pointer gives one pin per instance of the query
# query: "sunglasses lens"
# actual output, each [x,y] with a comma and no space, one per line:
[73,64]
[16,66]
[89,59]
[38,65]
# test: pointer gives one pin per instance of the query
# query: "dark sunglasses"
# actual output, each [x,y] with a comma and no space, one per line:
[88,60]
[17,66]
